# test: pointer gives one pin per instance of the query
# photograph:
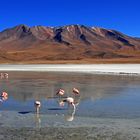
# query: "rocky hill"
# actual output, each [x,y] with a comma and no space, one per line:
[76,43]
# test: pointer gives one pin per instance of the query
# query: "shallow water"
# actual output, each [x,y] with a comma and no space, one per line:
[101,96]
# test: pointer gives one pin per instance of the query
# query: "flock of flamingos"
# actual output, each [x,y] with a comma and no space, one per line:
[60,94]
[4,95]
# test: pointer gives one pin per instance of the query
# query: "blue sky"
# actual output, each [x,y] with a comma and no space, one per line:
[122,15]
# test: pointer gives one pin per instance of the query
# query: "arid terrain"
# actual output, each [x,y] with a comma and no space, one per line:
[67,44]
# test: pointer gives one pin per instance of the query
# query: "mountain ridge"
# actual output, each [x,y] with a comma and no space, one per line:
[69,42]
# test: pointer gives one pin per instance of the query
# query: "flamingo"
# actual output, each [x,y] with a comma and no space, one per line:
[3,96]
[4,75]
[1,75]
[37,106]
[69,100]
[75,91]
[60,92]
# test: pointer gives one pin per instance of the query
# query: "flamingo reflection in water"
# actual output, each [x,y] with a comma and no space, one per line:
[70,115]
[37,120]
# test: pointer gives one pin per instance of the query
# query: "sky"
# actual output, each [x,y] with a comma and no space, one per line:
[121,15]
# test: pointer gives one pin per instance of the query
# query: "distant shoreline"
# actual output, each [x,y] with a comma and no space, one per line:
[133,69]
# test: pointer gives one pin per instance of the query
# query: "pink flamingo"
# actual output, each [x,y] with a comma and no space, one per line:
[37,106]
[1,75]
[69,100]
[4,75]
[75,91]
[4,96]
[60,92]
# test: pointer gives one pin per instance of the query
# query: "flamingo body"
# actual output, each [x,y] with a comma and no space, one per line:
[70,100]
[4,75]
[61,92]
[37,106]
[76,91]
[37,103]
[4,94]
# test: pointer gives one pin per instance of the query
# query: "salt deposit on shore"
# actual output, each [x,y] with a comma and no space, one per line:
[93,68]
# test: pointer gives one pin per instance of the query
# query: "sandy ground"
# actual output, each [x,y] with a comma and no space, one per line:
[15,126]
[93,68]
[80,133]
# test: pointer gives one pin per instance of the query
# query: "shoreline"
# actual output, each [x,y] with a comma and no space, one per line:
[80,128]
[80,133]
[111,69]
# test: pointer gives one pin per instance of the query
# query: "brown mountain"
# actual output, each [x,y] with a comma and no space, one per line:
[73,43]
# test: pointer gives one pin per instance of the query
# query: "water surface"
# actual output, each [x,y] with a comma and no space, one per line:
[101,96]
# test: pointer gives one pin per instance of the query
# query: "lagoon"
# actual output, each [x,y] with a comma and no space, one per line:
[107,102]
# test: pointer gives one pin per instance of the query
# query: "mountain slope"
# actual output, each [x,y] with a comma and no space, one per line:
[73,42]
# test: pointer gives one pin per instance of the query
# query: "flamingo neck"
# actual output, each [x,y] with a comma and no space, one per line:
[73,106]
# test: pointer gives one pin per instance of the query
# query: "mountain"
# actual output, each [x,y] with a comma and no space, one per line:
[72,43]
